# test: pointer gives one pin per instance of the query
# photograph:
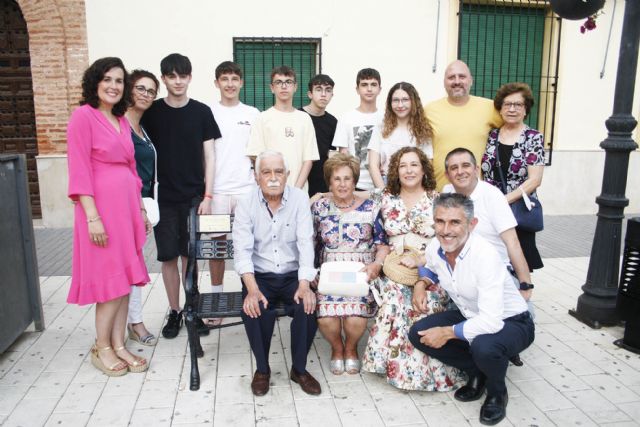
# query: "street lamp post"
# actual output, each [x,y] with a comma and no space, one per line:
[597,305]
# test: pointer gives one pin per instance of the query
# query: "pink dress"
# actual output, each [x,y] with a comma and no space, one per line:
[102,165]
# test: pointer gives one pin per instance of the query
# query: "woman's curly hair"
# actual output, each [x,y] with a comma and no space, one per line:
[337,161]
[418,123]
[511,88]
[138,74]
[393,176]
[94,75]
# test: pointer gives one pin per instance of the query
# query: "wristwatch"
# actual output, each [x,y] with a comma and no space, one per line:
[524,286]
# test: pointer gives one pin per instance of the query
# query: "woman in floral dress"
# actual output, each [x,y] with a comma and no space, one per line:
[343,224]
[406,219]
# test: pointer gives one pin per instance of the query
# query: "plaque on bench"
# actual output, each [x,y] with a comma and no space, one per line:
[216,223]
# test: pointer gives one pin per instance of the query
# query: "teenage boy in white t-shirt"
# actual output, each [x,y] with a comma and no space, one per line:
[233,177]
[284,129]
[356,128]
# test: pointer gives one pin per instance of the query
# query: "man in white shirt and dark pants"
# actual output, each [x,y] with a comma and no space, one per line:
[491,324]
[273,245]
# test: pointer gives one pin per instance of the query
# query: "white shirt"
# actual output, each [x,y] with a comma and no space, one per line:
[479,284]
[274,242]
[354,132]
[493,213]
[233,174]
[399,137]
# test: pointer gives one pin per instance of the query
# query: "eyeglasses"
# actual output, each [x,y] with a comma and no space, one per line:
[398,101]
[141,90]
[283,83]
[514,105]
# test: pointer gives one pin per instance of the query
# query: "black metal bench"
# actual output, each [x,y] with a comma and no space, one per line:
[208,305]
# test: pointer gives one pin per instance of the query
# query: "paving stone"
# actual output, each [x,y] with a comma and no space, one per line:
[397,409]
[573,375]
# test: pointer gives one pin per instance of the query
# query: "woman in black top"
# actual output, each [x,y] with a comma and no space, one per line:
[144,89]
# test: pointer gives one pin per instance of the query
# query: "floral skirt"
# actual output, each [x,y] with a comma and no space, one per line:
[389,351]
[338,306]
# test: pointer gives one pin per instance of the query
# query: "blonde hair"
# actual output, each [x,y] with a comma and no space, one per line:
[337,161]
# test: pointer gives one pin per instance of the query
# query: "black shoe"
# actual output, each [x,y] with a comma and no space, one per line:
[516,360]
[494,409]
[201,327]
[174,323]
[473,390]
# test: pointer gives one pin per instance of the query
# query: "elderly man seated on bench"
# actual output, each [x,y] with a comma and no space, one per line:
[272,240]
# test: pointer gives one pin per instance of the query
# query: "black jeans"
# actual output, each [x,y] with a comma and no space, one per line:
[487,354]
[279,287]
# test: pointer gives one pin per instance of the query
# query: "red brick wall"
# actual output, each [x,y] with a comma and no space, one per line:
[59,55]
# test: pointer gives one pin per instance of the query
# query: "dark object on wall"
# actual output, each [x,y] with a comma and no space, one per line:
[576,9]
[20,302]
[629,291]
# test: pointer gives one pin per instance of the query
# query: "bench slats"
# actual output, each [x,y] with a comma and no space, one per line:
[226,304]
[214,249]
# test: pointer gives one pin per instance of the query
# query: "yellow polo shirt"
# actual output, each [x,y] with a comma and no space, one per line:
[465,126]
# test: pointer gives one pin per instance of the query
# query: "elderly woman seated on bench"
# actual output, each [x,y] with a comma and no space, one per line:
[272,239]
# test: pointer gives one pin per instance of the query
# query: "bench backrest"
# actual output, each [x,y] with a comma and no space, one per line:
[200,240]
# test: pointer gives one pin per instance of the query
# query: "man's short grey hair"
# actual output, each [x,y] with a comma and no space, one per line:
[270,153]
[454,200]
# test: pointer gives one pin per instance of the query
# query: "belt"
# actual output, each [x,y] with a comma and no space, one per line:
[519,317]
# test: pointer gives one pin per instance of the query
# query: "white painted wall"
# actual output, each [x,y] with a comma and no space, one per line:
[397,38]
[585,100]
[399,42]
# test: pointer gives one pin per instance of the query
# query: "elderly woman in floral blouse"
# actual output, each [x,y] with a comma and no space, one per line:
[516,153]
[344,231]
[406,219]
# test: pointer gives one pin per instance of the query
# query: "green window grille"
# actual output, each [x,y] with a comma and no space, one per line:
[513,41]
[259,55]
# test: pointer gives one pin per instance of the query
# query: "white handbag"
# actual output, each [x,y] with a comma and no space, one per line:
[343,278]
[153,211]
[151,204]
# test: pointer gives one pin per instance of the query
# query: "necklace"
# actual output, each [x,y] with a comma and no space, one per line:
[353,202]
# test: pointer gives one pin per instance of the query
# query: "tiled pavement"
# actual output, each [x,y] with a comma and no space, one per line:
[573,375]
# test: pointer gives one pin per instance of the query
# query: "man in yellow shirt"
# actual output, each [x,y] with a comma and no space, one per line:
[459,119]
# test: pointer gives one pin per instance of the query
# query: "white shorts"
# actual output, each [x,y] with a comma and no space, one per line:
[224,204]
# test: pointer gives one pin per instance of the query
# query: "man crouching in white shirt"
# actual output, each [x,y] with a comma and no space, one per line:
[492,322]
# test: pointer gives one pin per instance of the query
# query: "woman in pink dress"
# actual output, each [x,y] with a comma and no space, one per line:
[110,224]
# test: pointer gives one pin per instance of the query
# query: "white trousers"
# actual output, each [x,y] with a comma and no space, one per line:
[135,305]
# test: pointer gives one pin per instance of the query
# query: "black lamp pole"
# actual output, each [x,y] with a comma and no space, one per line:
[597,305]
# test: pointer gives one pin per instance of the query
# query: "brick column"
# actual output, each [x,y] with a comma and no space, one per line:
[59,56]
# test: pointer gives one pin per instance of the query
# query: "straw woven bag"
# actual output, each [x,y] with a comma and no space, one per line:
[398,272]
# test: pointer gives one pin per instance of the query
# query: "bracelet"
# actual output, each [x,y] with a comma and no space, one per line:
[375,261]
[208,196]
[93,219]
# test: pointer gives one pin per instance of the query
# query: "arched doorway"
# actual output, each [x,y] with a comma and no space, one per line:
[17,116]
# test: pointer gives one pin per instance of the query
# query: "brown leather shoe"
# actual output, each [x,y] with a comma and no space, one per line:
[260,383]
[308,384]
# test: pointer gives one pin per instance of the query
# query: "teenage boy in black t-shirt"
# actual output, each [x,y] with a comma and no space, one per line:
[183,131]
[320,93]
